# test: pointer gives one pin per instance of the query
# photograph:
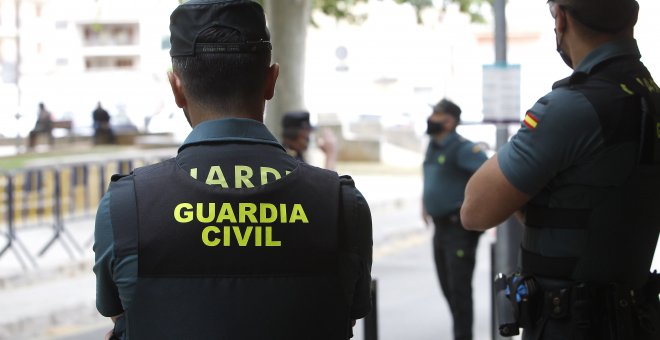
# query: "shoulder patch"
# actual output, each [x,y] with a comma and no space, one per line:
[530,120]
[476,148]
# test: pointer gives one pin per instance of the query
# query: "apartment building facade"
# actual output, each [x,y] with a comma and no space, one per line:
[71,54]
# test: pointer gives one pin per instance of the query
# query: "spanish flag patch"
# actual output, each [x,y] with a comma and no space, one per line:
[530,121]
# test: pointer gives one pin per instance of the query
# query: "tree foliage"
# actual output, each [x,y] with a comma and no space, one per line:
[343,9]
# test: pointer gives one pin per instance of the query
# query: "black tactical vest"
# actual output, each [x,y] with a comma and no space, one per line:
[620,231]
[257,263]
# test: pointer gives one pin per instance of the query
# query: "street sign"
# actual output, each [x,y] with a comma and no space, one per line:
[501,93]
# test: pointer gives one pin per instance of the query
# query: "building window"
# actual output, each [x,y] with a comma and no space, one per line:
[110,63]
[110,35]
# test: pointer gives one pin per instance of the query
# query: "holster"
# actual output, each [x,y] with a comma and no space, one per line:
[606,312]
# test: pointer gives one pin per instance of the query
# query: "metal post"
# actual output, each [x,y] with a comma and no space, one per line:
[18,73]
[509,233]
[12,239]
[58,226]
[371,320]
[500,31]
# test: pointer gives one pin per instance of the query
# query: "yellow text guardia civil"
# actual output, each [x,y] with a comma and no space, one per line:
[227,214]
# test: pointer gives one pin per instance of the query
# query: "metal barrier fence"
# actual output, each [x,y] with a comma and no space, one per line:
[42,196]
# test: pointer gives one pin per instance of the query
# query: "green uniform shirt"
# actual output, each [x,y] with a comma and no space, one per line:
[448,166]
[559,154]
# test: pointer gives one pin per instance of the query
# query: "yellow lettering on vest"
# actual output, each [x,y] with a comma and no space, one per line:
[216,177]
[283,213]
[264,174]
[200,213]
[242,175]
[269,238]
[205,236]
[267,213]
[257,236]
[184,216]
[647,83]
[227,239]
[297,213]
[247,210]
[226,214]
[241,238]
[193,173]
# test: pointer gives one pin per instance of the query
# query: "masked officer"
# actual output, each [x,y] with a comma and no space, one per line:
[296,134]
[584,170]
[449,163]
[233,238]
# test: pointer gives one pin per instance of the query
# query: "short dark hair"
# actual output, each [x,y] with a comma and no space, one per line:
[226,80]
[446,106]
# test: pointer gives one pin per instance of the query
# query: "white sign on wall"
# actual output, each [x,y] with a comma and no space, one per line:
[501,93]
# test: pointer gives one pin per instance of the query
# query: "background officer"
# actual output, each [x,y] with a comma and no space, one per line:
[584,170]
[237,239]
[449,163]
[296,135]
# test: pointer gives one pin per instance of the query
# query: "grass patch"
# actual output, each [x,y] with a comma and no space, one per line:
[55,156]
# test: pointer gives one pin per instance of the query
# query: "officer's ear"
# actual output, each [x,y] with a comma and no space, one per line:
[560,19]
[271,78]
[177,89]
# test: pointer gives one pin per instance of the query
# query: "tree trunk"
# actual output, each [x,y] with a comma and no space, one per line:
[287,21]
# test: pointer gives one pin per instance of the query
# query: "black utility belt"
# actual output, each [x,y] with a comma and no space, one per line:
[521,300]
[451,218]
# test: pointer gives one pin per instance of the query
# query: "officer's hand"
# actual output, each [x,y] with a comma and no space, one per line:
[428,221]
[327,141]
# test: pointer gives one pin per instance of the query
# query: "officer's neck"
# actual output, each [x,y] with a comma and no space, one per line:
[200,115]
[442,136]
[581,46]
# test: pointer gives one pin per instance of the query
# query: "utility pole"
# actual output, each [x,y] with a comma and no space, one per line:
[509,233]
[18,115]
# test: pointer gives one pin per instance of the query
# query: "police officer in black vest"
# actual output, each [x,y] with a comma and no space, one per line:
[584,170]
[233,238]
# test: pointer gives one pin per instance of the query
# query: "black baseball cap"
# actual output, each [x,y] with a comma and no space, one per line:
[609,16]
[448,107]
[296,120]
[195,16]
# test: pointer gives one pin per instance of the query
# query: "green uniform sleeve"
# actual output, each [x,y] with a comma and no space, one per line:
[471,157]
[107,295]
[560,128]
